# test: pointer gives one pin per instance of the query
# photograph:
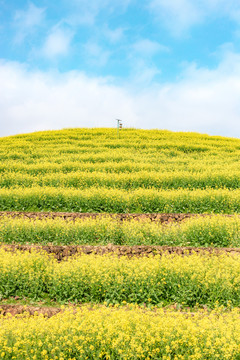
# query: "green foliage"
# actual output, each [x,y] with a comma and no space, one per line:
[120,201]
[215,230]
[146,171]
[189,280]
[127,332]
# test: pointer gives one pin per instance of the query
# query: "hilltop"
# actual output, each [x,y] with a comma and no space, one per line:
[92,170]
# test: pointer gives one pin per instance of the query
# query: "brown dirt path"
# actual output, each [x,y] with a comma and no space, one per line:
[163,218]
[49,311]
[31,310]
[64,252]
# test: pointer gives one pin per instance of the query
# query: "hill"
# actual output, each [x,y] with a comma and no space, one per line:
[92,170]
[134,285]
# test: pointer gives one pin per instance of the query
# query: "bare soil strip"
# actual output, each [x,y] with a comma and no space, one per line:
[31,310]
[49,311]
[64,252]
[163,218]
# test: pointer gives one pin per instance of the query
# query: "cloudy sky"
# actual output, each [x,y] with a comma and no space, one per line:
[167,64]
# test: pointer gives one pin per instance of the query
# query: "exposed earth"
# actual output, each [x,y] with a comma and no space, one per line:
[163,218]
[63,252]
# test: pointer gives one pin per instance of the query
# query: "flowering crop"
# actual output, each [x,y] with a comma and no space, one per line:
[214,230]
[76,169]
[130,180]
[199,278]
[91,170]
[121,333]
[120,201]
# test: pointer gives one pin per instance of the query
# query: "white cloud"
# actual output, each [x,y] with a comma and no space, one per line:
[33,100]
[147,47]
[202,100]
[95,54]
[180,15]
[143,74]
[86,11]
[113,35]
[177,15]
[26,21]
[57,43]
[143,70]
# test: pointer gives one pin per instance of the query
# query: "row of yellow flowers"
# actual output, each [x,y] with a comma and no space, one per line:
[120,201]
[120,161]
[136,150]
[199,278]
[217,230]
[121,333]
[133,180]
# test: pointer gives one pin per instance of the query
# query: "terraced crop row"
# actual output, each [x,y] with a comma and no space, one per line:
[190,280]
[120,201]
[141,179]
[125,333]
[215,230]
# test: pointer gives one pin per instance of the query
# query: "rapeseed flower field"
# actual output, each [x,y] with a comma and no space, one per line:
[206,231]
[121,333]
[123,306]
[158,280]
[144,171]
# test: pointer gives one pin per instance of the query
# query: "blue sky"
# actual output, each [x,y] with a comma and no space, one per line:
[156,64]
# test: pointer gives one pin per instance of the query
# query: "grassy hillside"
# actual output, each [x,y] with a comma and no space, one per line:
[88,170]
